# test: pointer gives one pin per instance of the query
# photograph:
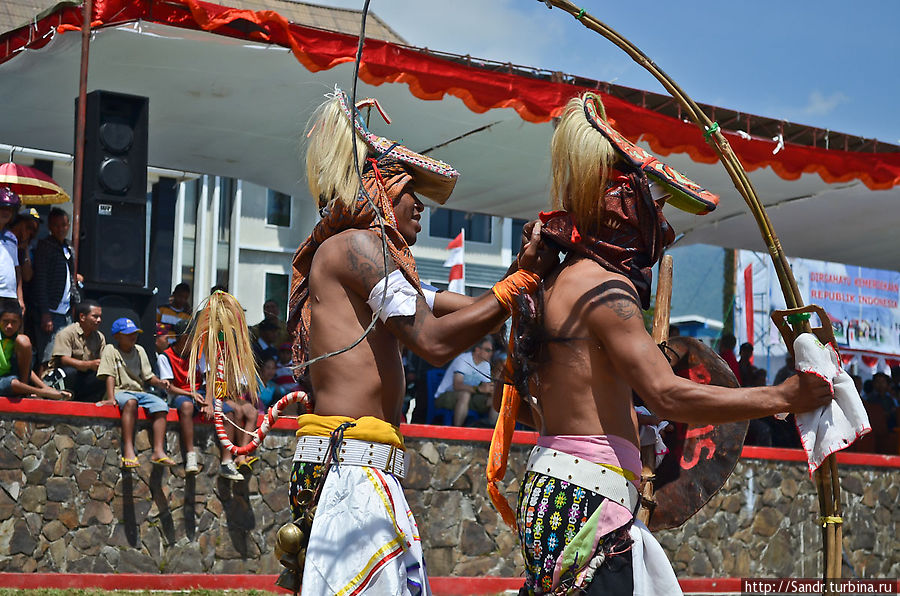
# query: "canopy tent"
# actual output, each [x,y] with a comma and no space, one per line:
[230,93]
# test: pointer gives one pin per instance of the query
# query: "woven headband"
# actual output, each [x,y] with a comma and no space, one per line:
[432,177]
[686,194]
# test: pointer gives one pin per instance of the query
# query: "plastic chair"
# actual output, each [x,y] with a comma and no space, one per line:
[432,380]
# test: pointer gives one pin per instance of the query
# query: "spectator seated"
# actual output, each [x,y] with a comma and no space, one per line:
[76,355]
[468,385]
[127,374]
[444,416]
[16,376]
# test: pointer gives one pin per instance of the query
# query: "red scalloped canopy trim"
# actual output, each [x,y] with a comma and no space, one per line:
[429,77]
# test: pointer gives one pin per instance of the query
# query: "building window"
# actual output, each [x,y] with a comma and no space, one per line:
[278,209]
[446,223]
[277,289]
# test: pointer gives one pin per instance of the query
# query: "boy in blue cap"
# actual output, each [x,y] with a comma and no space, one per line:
[127,371]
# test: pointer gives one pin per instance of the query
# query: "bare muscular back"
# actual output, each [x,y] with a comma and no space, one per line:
[579,390]
[367,380]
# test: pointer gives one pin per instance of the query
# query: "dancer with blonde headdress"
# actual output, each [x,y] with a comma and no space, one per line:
[356,266]
[579,350]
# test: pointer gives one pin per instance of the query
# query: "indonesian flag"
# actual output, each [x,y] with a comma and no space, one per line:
[456,262]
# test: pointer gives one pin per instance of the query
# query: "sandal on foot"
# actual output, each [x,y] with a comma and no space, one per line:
[163,461]
[130,462]
[248,463]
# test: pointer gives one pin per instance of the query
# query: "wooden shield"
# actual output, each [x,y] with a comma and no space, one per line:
[701,457]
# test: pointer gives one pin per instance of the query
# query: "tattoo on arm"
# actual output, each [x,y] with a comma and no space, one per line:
[619,297]
[409,328]
[365,260]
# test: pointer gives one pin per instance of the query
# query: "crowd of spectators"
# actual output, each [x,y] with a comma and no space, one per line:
[51,346]
[769,431]
[880,395]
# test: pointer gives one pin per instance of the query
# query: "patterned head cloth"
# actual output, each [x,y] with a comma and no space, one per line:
[384,180]
[632,235]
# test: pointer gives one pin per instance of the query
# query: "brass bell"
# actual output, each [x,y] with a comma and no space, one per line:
[304,497]
[289,538]
[278,552]
[289,580]
[309,515]
[301,559]
[290,562]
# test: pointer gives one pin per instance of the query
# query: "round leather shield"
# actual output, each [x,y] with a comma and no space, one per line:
[701,457]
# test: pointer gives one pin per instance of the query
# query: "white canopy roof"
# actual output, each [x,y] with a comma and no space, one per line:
[229,107]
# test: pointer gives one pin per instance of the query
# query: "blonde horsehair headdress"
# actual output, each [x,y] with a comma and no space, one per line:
[584,142]
[581,159]
[330,167]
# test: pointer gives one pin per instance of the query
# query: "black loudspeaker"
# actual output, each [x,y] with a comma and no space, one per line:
[113,241]
[113,247]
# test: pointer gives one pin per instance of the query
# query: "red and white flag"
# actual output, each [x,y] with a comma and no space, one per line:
[456,262]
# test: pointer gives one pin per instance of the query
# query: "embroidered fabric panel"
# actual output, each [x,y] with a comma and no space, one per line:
[303,475]
[550,513]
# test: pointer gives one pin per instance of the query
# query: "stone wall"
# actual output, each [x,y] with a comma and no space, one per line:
[66,506]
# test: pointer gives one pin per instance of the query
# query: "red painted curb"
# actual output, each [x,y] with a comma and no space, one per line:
[440,586]
[47,407]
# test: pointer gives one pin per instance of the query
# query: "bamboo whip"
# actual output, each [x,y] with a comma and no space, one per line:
[826,477]
[660,333]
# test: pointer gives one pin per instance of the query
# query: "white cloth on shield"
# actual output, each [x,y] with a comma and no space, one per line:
[837,425]
[364,539]
[651,434]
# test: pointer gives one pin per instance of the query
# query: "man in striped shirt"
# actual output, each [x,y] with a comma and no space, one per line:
[178,309]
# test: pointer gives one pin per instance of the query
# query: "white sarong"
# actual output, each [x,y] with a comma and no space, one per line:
[364,539]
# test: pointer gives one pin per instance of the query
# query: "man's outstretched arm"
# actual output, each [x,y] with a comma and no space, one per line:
[436,339]
[614,318]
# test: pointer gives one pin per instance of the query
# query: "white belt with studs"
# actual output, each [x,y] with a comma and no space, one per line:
[586,474]
[353,452]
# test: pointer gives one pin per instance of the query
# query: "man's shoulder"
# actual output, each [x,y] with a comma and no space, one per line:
[350,239]
[353,256]
[587,277]
[69,331]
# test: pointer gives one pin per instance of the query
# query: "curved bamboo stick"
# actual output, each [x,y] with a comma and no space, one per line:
[826,477]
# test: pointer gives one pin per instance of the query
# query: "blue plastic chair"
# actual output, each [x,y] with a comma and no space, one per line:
[432,380]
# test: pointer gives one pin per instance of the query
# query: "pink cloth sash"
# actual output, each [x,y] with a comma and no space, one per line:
[601,449]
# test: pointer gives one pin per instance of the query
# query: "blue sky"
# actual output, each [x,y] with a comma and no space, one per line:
[829,64]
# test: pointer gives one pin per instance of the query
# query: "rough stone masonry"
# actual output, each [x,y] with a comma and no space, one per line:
[67,506]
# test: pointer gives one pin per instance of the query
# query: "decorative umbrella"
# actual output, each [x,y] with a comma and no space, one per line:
[34,186]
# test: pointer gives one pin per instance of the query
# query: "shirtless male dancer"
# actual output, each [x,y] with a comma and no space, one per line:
[576,518]
[363,536]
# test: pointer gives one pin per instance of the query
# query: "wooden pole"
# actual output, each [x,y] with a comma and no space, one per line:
[80,118]
[660,333]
